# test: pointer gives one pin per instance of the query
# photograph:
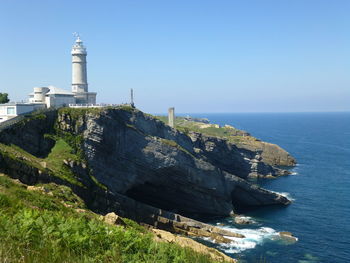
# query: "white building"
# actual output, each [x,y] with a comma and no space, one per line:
[13,109]
[55,97]
[52,97]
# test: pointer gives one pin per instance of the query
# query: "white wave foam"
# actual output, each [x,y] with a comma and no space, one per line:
[285,194]
[252,238]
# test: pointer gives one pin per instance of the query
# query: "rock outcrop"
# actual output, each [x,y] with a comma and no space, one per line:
[113,219]
[29,133]
[251,147]
[243,220]
[268,153]
[230,158]
[138,156]
[150,173]
[164,236]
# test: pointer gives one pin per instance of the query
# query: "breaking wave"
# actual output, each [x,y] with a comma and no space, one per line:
[252,238]
[285,194]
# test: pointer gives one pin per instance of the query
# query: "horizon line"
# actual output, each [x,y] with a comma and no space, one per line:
[254,112]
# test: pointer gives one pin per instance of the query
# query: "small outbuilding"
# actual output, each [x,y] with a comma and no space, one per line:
[13,109]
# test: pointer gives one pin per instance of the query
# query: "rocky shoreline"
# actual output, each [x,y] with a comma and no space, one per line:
[144,170]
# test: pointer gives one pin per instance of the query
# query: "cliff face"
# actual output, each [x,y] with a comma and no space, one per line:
[252,148]
[124,161]
[229,157]
[139,157]
[268,153]
[29,133]
[142,158]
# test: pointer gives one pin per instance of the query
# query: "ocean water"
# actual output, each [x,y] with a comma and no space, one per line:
[320,187]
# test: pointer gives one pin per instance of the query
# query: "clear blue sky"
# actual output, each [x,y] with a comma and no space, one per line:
[199,56]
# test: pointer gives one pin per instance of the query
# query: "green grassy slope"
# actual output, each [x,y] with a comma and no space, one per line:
[48,223]
[230,133]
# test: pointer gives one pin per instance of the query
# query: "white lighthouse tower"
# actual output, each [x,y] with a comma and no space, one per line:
[79,74]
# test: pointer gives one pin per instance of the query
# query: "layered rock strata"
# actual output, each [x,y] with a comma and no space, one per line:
[138,156]
[152,173]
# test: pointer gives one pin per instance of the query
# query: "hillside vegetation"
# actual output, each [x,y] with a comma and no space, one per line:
[227,132]
[49,223]
[271,154]
[63,169]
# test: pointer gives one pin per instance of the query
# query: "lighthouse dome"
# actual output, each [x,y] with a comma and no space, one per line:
[78,48]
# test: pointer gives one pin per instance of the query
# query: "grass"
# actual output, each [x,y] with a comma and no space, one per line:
[54,161]
[230,134]
[52,224]
[126,108]
[52,164]
[76,113]
[16,153]
[175,144]
[64,151]
[99,184]
[39,227]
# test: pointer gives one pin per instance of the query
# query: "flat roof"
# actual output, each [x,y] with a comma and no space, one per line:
[21,104]
[58,91]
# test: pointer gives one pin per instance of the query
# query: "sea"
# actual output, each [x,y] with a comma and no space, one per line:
[319,186]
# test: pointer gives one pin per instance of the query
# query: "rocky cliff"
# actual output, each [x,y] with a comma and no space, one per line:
[137,156]
[264,158]
[124,161]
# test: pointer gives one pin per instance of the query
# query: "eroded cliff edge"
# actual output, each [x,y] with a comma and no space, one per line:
[124,161]
[257,151]
[136,155]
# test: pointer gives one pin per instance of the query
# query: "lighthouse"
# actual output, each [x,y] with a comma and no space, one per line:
[79,74]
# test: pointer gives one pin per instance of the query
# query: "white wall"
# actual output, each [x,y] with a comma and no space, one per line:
[20,109]
[59,100]
[10,111]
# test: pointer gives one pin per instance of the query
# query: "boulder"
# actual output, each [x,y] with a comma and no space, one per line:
[113,219]
[243,220]
[288,237]
[164,236]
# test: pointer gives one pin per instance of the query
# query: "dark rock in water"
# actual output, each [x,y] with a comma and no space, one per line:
[243,220]
[288,237]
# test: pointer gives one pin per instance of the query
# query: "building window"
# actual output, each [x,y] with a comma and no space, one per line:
[11,111]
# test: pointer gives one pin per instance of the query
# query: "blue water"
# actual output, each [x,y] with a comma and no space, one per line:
[320,214]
